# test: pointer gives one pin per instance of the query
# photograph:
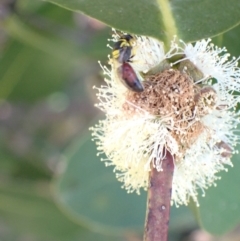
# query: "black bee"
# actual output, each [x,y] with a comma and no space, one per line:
[123,51]
[129,77]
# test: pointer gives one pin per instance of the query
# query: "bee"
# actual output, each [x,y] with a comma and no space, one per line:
[123,52]
[129,77]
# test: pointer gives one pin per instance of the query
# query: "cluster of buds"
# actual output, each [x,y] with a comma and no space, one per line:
[187,107]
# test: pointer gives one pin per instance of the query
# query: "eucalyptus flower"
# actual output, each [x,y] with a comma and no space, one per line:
[187,108]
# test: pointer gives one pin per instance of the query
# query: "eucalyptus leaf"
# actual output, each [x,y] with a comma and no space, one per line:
[220,209]
[30,215]
[89,191]
[29,74]
[34,65]
[231,41]
[190,20]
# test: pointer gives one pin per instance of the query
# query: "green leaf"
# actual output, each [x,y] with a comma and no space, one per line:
[189,20]
[30,215]
[29,74]
[34,65]
[90,193]
[12,166]
[220,209]
[231,41]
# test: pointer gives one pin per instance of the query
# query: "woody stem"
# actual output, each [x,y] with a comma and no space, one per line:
[158,202]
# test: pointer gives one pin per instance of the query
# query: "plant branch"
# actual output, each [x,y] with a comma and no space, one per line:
[158,203]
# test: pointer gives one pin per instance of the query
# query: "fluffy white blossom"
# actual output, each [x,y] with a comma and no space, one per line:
[194,119]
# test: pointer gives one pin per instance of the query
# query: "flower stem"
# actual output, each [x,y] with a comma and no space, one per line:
[158,203]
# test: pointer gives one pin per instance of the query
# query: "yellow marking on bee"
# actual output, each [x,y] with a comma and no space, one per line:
[115,53]
[124,43]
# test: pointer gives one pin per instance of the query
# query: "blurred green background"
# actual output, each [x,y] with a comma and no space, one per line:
[53,187]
